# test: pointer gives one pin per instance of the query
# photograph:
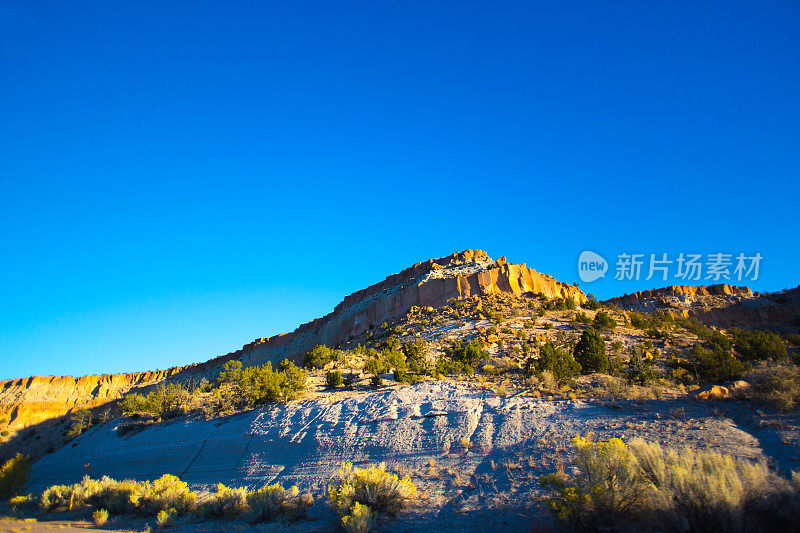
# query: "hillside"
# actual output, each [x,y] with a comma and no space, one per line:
[457,374]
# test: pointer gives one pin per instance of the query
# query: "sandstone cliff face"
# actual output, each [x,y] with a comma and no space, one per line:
[24,402]
[429,284]
[684,292]
[723,306]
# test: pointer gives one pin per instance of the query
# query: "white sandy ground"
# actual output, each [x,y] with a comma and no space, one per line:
[489,485]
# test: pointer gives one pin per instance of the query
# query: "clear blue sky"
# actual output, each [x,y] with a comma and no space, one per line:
[179,178]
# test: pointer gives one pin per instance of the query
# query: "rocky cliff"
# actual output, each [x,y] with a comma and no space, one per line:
[724,306]
[28,401]
[429,284]
[24,402]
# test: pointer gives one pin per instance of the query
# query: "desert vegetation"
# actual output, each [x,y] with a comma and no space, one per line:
[167,500]
[642,486]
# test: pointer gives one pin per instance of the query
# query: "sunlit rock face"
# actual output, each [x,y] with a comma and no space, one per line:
[29,401]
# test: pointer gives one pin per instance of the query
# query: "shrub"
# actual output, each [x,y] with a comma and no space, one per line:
[100,517]
[333,378]
[56,497]
[273,501]
[560,363]
[470,353]
[415,355]
[758,345]
[319,356]
[166,518]
[374,366]
[261,384]
[167,493]
[159,402]
[605,492]
[548,325]
[603,320]
[376,382]
[19,504]
[395,360]
[792,338]
[590,352]
[715,363]
[118,497]
[226,502]
[373,487]
[640,486]
[359,520]
[639,370]
[639,320]
[14,475]
[775,384]
[79,422]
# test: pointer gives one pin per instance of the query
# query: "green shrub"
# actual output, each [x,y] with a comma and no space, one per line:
[470,353]
[603,320]
[373,487]
[758,345]
[580,318]
[548,325]
[376,382]
[776,384]
[257,385]
[395,360]
[226,502]
[319,356]
[374,366]
[715,363]
[415,355]
[14,475]
[560,363]
[606,491]
[333,378]
[273,501]
[643,487]
[80,421]
[639,320]
[640,370]
[100,517]
[590,352]
[159,402]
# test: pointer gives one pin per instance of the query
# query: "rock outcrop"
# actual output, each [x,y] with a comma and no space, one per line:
[28,401]
[429,284]
[723,306]
[24,402]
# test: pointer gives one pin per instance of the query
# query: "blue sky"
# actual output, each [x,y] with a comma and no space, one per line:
[179,178]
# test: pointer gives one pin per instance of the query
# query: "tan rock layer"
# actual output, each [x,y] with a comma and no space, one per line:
[681,290]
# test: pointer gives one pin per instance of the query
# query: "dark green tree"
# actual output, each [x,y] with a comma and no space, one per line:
[590,352]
